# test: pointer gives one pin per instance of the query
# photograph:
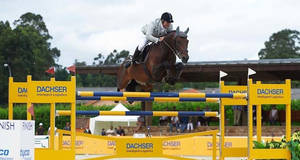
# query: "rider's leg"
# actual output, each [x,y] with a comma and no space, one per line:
[136,55]
[137,52]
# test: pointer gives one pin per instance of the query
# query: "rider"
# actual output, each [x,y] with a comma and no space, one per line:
[154,32]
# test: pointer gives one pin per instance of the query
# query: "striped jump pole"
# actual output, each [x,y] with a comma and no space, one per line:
[154,99]
[161,94]
[139,113]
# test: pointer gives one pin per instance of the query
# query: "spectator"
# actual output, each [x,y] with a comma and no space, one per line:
[190,124]
[140,123]
[40,130]
[110,132]
[120,131]
[207,119]
[103,133]
[199,119]
[273,116]
[163,120]
[204,121]
[87,130]
[183,123]
[237,111]
[67,127]
[174,123]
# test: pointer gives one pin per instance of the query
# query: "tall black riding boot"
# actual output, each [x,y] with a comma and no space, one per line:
[134,58]
[136,55]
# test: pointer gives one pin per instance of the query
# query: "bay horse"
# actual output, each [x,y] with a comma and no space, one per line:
[159,64]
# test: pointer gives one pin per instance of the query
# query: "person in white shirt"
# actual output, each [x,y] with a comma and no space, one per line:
[154,32]
[273,116]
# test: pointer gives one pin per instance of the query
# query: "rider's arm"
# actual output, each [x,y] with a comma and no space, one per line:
[149,33]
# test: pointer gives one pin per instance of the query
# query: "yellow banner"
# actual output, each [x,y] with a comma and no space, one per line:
[194,146]
[51,91]
[270,93]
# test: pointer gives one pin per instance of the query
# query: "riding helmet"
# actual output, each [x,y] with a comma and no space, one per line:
[167,17]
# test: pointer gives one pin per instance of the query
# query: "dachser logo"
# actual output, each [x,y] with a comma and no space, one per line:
[171,143]
[139,145]
[7,125]
[51,89]
[270,91]
[237,91]
[22,90]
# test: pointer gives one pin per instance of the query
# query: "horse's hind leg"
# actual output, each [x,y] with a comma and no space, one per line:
[131,87]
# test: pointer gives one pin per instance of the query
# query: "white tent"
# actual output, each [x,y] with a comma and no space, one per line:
[118,107]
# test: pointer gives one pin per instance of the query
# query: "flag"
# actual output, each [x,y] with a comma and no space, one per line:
[223,74]
[251,72]
[50,70]
[72,68]
[31,110]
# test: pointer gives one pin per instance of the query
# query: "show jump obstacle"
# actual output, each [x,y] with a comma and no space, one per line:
[65,92]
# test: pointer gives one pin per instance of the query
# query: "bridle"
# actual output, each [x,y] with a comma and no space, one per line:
[175,49]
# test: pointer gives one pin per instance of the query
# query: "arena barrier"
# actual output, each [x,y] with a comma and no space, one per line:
[64,92]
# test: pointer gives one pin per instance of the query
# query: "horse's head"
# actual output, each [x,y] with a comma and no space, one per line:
[181,45]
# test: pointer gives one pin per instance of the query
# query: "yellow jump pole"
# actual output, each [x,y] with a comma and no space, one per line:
[288,113]
[222,124]
[258,122]
[73,125]
[52,125]
[28,103]
[250,121]
[258,119]
[10,103]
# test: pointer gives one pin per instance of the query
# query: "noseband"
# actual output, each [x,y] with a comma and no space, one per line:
[174,50]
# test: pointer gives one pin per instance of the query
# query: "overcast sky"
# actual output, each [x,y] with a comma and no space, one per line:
[219,29]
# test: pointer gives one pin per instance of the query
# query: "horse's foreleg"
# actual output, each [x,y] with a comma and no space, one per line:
[160,70]
[179,68]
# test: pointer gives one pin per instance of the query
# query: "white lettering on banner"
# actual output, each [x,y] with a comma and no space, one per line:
[7,125]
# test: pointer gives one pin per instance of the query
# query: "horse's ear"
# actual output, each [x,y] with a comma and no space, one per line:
[177,30]
[187,30]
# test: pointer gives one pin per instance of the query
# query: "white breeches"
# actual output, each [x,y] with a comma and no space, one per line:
[143,44]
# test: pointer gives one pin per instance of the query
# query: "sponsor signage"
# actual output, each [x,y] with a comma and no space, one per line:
[17,140]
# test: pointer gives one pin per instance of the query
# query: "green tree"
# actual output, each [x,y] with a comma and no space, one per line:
[61,74]
[27,50]
[283,44]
